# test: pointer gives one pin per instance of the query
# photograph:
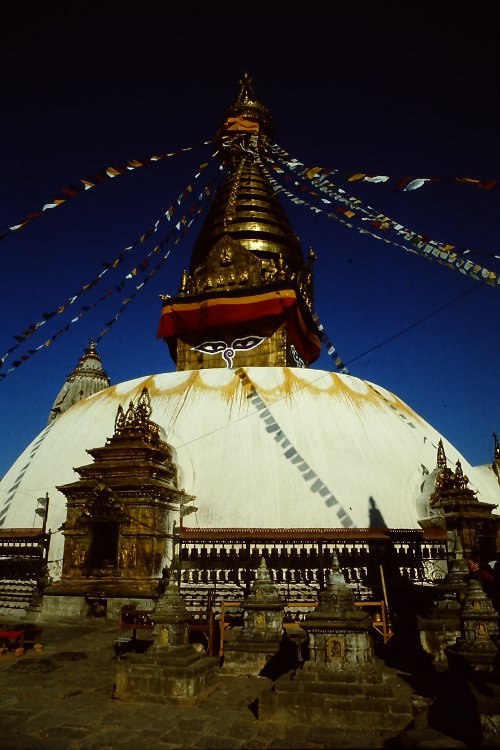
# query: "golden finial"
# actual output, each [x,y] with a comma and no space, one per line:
[246,90]
[460,478]
[441,456]
[246,116]
[184,282]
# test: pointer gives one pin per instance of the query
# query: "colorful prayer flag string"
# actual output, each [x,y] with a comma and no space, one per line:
[178,233]
[400,183]
[431,249]
[89,182]
[351,205]
[167,216]
[332,352]
[208,191]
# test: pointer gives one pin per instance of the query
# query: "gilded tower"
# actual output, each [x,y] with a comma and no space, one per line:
[247,296]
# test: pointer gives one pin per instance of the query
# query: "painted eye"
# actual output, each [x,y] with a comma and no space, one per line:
[249,342]
[211,347]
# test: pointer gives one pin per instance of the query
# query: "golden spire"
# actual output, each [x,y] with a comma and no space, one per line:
[441,456]
[245,207]
[246,91]
[460,479]
[246,252]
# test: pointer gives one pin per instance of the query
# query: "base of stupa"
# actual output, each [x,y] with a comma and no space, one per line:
[340,701]
[180,676]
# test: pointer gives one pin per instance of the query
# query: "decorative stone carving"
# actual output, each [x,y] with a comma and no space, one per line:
[172,670]
[479,629]
[227,261]
[342,684]
[262,641]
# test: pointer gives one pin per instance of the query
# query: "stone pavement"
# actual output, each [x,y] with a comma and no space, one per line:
[62,698]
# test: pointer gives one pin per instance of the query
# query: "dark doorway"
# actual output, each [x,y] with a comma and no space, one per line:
[103,551]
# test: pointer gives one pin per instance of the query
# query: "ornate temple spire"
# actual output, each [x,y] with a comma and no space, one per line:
[245,208]
[441,456]
[136,419]
[247,297]
[247,114]
[496,457]
[87,378]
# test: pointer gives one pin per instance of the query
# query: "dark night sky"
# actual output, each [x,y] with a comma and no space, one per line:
[414,92]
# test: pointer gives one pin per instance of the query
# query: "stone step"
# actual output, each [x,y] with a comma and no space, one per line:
[377,714]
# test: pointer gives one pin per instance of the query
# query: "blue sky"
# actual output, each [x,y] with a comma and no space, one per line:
[373,92]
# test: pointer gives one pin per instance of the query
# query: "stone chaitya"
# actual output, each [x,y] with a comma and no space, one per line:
[479,637]
[120,520]
[172,670]
[342,683]
[262,645]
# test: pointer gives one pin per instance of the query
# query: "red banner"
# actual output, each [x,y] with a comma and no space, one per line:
[228,313]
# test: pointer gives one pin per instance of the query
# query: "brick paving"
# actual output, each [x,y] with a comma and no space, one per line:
[62,698]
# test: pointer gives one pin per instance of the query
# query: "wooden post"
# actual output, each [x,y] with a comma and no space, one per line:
[385,594]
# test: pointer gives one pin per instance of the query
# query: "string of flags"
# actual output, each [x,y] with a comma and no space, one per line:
[353,208]
[429,250]
[194,211]
[176,234]
[332,352]
[354,205]
[200,207]
[404,184]
[334,202]
[125,302]
[166,217]
[87,183]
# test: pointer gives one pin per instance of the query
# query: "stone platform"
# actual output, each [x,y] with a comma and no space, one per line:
[63,698]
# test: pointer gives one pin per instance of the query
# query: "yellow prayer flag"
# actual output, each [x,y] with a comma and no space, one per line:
[357,176]
[241,123]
